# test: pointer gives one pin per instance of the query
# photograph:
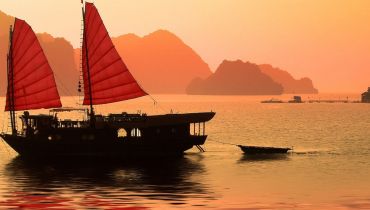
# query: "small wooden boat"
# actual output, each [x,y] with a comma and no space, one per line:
[263,150]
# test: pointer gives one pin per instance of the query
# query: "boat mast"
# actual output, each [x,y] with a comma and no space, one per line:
[11,82]
[92,114]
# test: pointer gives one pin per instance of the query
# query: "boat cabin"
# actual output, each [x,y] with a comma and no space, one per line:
[31,124]
[122,126]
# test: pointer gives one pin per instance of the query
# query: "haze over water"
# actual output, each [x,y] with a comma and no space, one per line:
[328,169]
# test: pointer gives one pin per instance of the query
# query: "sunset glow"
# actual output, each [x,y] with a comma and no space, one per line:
[327,41]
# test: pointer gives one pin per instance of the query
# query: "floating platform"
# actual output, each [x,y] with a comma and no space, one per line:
[312,101]
[263,150]
[298,99]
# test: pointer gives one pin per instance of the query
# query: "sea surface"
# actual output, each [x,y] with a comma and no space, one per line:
[328,169]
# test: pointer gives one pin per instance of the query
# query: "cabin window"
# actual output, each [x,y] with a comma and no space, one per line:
[135,132]
[198,129]
[121,132]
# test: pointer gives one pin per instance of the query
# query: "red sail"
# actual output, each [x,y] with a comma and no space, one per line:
[110,79]
[30,73]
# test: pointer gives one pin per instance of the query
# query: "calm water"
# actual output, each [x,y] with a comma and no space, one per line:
[329,168]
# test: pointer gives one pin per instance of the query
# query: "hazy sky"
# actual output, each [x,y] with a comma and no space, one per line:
[326,40]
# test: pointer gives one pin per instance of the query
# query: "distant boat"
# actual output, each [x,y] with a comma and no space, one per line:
[273,100]
[105,79]
[263,150]
[365,97]
[296,99]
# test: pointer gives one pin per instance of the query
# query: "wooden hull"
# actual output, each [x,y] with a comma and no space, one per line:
[263,150]
[101,147]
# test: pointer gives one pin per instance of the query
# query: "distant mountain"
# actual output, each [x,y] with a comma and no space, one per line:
[58,51]
[236,78]
[3,50]
[160,61]
[290,85]
[60,55]
[5,22]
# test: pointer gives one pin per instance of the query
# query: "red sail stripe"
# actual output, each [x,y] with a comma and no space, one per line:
[110,79]
[33,82]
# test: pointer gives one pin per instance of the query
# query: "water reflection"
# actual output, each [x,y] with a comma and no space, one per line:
[97,183]
[264,157]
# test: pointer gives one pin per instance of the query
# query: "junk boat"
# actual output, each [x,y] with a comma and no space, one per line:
[263,150]
[106,79]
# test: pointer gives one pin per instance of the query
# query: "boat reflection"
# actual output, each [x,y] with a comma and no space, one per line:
[264,157]
[97,183]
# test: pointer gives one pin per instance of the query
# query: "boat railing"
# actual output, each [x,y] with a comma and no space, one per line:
[67,123]
[124,117]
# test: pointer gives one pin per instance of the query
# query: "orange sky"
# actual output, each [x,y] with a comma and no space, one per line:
[326,40]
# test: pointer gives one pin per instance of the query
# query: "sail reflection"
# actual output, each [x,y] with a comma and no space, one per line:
[96,183]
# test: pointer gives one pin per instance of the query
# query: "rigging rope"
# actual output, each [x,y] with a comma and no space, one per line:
[66,90]
[4,113]
[3,123]
[223,142]
[156,103]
